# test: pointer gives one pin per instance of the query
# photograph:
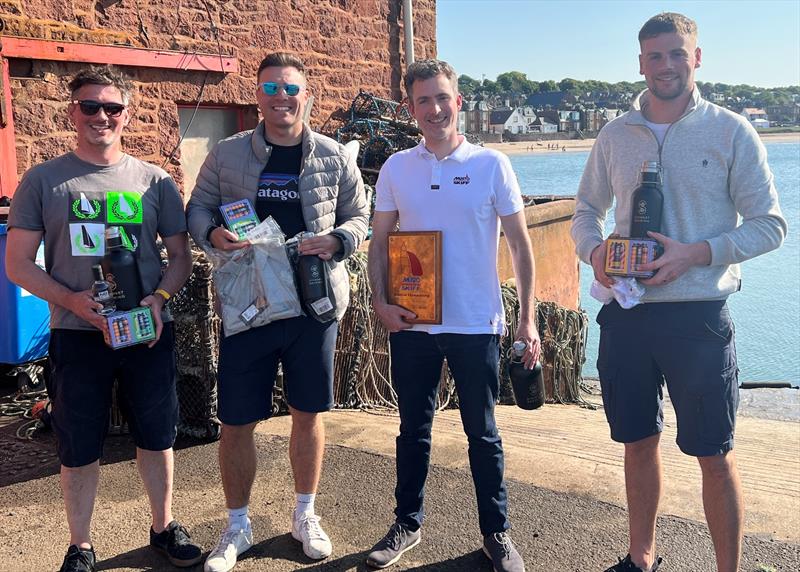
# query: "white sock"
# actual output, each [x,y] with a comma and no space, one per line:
[237,518]
[305,504]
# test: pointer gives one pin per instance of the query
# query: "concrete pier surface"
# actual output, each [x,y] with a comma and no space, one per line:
[566,497]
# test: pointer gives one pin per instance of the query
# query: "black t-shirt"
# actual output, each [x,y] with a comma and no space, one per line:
[278,194]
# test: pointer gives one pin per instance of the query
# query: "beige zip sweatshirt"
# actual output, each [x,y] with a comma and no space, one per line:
[717,187]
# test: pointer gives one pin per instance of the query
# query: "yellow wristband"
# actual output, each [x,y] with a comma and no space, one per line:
[164,294]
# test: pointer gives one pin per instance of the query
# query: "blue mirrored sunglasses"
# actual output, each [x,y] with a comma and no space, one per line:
[271,88]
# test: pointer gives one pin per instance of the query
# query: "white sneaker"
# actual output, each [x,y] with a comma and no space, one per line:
[231,544]
[306,529]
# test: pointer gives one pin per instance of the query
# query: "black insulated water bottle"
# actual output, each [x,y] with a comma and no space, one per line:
[527,384]
[648,201]
[315,289]
[122,271]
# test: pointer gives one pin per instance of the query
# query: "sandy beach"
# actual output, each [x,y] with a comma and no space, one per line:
[572,145]
[529,147]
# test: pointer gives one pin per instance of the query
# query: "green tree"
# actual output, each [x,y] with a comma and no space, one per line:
[744,91]
[594,87]
[490,87]
[767,98]
[514,82]
[548,85]
[468,85]
[569,85]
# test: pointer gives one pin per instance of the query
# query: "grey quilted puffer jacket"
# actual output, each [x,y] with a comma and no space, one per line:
[331,190]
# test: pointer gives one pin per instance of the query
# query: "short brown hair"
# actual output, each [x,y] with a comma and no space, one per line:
[427,69]
[668,23]
[282,60]
[103,75]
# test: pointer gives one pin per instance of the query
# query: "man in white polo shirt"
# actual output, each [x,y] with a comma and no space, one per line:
[447,184]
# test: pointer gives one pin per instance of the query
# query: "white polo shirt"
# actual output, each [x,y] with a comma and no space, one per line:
[462,195]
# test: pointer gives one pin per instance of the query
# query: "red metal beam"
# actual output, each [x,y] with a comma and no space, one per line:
[29,48]
[8,149]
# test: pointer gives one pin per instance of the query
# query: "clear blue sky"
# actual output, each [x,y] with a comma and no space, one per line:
[743,41]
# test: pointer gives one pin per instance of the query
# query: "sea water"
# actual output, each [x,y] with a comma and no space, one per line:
[767,310]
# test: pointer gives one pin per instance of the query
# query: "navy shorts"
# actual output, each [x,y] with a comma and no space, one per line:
[83,370]
[248,364]
[688,345]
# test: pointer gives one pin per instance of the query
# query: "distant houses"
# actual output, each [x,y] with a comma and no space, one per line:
[541,125]
[498,120]
[475,116]
[517,121]
[541,114]
[757,117]
[594,119]
[786,114]
[718,98]
[560,114]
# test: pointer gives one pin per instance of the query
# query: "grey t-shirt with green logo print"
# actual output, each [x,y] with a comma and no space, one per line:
[73,202]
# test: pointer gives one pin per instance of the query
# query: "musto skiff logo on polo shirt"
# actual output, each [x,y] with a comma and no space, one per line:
[461,180]
[91,212]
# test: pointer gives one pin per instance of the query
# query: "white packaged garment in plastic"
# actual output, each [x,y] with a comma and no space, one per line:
[255,284]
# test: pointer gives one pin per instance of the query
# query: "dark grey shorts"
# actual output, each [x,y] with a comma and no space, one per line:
[688,345]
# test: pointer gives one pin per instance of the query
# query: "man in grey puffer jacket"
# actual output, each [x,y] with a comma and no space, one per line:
[720,208]
[306,182]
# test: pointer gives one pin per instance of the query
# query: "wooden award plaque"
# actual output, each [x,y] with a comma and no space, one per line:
[415,274]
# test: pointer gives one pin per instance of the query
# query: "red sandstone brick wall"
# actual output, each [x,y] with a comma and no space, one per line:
[345,44]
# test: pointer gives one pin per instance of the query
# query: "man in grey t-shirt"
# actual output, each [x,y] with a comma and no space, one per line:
[69,201]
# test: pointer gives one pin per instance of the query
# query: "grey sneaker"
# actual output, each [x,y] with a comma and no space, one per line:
[392,546]
[502,552]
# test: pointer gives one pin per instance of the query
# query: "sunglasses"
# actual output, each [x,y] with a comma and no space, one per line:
[271,88]
[90,107]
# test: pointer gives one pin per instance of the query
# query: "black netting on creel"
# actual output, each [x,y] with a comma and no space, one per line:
[197,332]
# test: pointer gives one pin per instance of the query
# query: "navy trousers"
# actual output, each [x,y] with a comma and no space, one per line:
[417,359]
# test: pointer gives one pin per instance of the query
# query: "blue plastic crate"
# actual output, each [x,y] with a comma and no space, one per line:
[24,318]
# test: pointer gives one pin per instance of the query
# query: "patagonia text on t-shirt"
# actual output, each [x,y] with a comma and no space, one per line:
[278,193]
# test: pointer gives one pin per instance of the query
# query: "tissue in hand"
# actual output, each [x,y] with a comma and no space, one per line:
[626,291]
